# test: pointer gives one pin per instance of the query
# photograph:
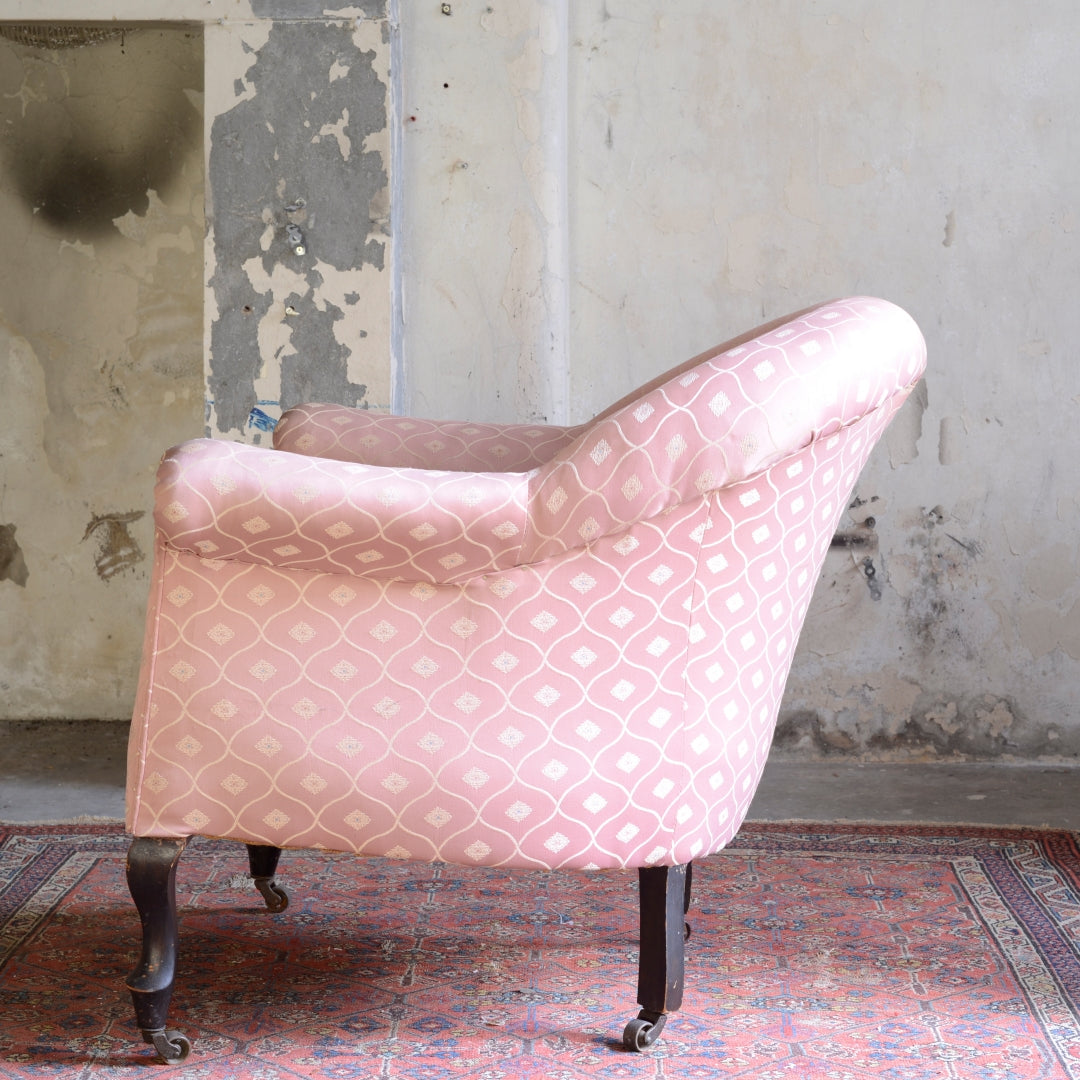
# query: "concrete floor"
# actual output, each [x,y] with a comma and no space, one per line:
[64,771]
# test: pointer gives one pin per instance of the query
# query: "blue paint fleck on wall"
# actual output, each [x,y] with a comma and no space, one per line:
[260,421]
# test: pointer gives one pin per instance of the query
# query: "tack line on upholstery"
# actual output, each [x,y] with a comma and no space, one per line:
[137,748]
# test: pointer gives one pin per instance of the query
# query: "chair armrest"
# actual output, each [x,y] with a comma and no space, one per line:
[349,434]
[224,501]
[725,419]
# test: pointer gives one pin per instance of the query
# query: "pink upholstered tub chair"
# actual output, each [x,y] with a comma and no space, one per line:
[515,646]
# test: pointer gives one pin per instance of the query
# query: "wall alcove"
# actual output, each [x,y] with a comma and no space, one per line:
[101,329]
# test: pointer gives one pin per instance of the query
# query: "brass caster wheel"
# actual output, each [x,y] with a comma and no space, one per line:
[277,899]
[172,1047]
[644,1030]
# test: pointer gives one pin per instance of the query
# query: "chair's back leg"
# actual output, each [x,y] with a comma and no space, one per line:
[151,877]
[665,899]
[262,861]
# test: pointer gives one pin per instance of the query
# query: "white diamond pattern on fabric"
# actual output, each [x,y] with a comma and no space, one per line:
[497,644]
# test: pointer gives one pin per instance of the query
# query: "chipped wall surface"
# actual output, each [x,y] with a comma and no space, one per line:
[299,285]
[727,163]
[193,11]
[101,197]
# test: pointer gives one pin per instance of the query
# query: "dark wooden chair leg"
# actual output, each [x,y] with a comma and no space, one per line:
[151,876]
[262,861]
[665,899]
[687,897]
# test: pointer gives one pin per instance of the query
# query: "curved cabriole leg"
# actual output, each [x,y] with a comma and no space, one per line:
[262,861]
[151,877]
[665,899]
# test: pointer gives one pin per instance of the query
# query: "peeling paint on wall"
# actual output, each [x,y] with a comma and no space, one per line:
[298,174]
[727,163]
[947,441]
[978,726]
[950,229]
[939,627]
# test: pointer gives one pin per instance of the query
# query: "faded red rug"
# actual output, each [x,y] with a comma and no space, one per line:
[846,952]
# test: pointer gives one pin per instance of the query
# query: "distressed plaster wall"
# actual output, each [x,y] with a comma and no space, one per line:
[101,198]
[117,287]
[299,298]
[727,163]
[586,193]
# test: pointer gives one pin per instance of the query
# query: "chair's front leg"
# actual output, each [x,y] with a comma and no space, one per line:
[262,861]
[687,897]
[665,899]
[151,877]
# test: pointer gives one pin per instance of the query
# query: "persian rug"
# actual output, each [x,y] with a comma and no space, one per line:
[846,952]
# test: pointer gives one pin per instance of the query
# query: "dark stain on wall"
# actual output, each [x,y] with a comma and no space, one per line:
[939,726]
[79,190]
[79,166]
[12,563]
[263,157]
[117,548]
[798,727]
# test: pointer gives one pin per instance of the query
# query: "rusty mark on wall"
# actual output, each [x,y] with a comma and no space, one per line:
[117,548]
[12,563]
[862,541]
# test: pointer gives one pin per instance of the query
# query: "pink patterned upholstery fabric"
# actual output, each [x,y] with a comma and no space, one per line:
[337,431]
[505,645]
